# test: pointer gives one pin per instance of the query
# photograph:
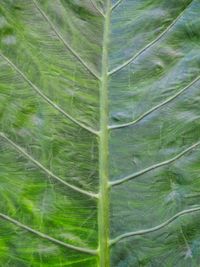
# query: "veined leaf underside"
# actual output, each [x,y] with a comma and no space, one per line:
[107,135]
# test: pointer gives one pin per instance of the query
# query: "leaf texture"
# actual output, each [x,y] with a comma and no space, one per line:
[99,138]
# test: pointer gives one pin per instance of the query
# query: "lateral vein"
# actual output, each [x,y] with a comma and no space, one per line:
[156,228]
[97,8]
[64,41]
[118,126]
[45,236]
[181,228]
[49,101]
[48,172]
[153,167]
[116,4]
[126,63]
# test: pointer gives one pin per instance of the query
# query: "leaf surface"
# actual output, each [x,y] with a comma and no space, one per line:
[99,133]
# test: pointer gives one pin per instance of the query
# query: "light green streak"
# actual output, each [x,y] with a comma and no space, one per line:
[103,204]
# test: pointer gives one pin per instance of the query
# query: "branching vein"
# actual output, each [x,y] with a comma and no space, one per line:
[170,99]
[156,228]
[126,63]
[97,8]
[44,236]
[117,4]
[155,166]
[39,92]
[44,169]
[64,41]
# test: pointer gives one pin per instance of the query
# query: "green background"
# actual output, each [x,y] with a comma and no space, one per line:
[53,49]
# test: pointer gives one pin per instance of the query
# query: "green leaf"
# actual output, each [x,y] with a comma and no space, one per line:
[99,139]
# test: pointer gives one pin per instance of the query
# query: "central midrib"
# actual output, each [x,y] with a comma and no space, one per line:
[103,204]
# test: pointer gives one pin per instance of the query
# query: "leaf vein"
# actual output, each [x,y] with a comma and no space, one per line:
[49,101]
[97,8]
[155,166]
[126,63]
[48,172]
[64,41]
[116,4]
[154,229]
[45,236]
[144,115]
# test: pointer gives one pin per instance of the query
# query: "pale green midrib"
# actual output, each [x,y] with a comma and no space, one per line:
[103,204]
